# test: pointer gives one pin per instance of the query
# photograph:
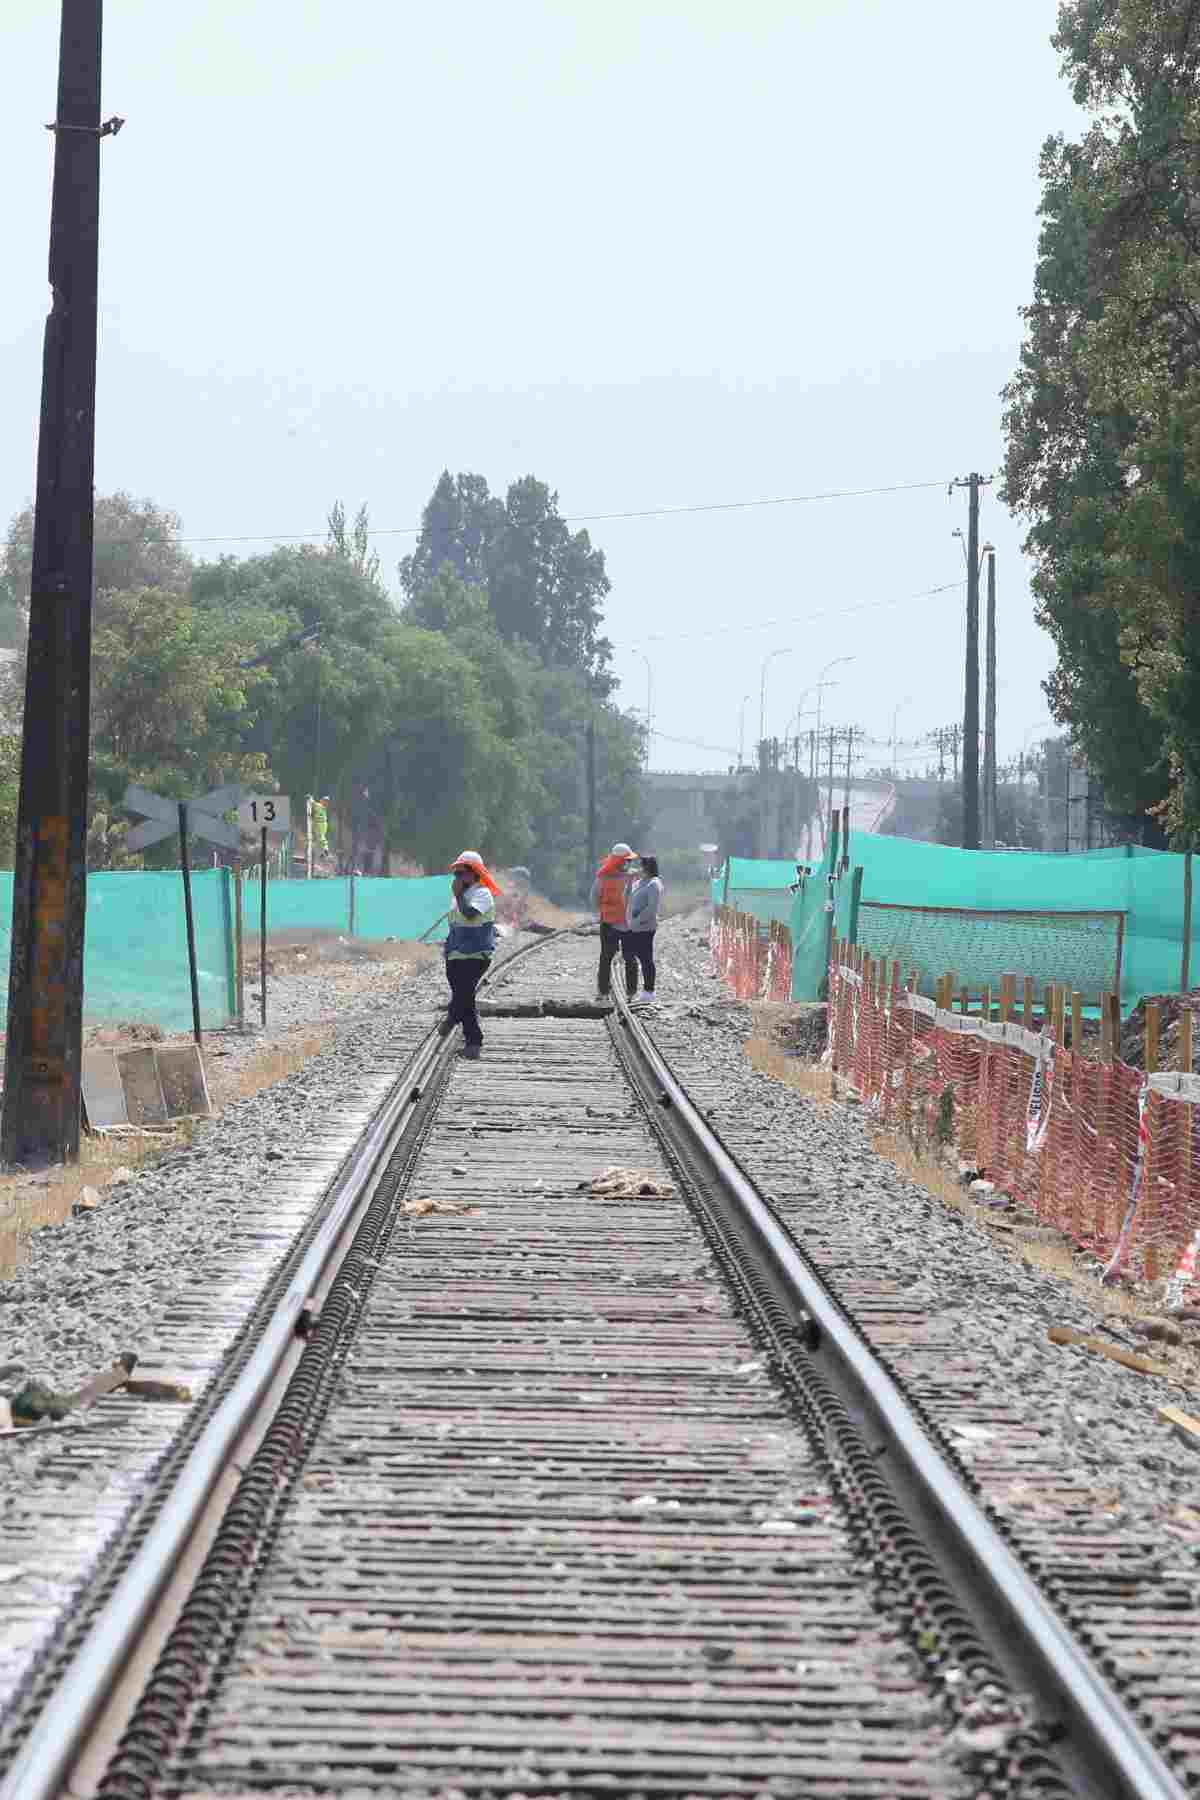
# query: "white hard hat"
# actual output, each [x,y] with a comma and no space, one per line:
[621,850]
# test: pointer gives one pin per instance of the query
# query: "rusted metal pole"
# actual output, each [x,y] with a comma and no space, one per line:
[41,1115]
[185,864]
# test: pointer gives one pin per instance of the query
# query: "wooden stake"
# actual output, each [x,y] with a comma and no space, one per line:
[1112,1003]
[1153,1034]
[1028,1019]
[1063,1334]
[1186,1022]
[1077,1022]
[1008,985]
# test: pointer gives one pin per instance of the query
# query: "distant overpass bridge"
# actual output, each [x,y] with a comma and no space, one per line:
[683,807]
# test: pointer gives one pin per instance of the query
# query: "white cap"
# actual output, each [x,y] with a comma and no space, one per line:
[621,850]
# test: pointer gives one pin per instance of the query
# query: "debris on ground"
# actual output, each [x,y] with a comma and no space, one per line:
[158,1390]
[418,1209]
[806,1034]
[629,1184]
[1171,1008]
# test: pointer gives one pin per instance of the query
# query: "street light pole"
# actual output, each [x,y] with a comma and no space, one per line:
[783,650]
[649,700]
[742,732]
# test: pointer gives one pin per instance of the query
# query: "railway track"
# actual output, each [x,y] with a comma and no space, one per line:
[570,1492]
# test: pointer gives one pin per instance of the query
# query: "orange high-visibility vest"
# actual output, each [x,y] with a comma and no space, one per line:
[612,899]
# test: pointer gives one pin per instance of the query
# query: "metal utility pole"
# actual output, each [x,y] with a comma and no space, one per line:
[829,802]
[849,757]
[970,827]
[814,797]
[989,706]
[41,1115]
[796,794]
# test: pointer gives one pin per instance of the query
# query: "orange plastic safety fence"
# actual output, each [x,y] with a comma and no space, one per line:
[754,959]
[1106,1155]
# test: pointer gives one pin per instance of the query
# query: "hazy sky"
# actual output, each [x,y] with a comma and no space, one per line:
[659,255]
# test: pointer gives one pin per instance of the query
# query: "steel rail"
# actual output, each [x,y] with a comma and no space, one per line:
[1105,1740]
[40,1767]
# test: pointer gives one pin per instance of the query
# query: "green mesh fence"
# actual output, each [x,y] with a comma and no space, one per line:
[1082,949]
[1044,909]
[135,958]
[383,907]
[759,888]
[403,907]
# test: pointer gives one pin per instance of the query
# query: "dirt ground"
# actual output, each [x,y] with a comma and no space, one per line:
[313,977]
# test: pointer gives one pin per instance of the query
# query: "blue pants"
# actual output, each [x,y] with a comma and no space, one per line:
[464,974]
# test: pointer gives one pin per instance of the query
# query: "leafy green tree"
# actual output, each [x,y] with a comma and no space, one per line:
[1103,416]
[353,544]
[544,584]
[135,545]
[563,703]
[168,704]
[459,526]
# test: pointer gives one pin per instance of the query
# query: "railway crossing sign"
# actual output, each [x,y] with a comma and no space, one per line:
[166,817]
[265,812]
[163,817]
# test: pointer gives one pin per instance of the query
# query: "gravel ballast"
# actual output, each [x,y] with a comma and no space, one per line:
[167,1266]
[100,1285]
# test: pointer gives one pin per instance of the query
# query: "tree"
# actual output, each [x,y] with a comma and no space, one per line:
[544,585]
[169,704]
[354,545]
[1103,417]
[563,703]
[459,526]
[136,545]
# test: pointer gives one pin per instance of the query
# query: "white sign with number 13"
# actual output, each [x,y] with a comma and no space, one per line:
[265,812]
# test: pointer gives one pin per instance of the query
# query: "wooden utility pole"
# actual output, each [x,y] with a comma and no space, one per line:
[989,706]
[41,1115]
[970,748]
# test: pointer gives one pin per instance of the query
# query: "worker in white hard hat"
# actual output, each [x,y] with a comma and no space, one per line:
[470,944]
[610,895]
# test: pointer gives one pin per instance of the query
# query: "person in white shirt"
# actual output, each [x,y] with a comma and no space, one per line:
[637,939]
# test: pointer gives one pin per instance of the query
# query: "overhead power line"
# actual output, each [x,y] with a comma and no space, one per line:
[695,744]
[828,612]
[647,512]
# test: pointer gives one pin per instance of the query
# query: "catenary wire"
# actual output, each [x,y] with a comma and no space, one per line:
[675,637]
[647,512]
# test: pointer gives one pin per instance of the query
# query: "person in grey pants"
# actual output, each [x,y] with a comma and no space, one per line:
[637,939]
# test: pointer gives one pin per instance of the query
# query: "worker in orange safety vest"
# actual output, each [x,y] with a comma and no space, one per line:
[610,894]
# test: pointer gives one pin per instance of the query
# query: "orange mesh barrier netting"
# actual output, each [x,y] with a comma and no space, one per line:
[753,957]
[1105,1154]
